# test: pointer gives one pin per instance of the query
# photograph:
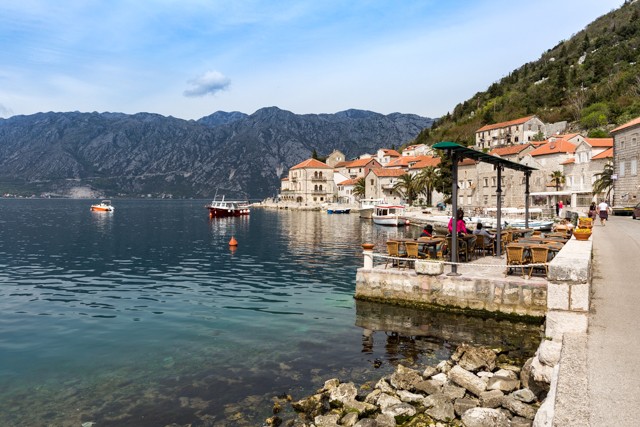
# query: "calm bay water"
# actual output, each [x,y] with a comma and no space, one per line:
[145,317]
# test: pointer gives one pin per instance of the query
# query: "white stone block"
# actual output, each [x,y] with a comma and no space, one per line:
[429,268]
[557,296]
[561,322]
[580,297]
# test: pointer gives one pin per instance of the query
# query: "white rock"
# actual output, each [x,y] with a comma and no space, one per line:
[549,352]
[485,417]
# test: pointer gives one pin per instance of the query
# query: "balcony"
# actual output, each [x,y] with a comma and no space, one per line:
[318,179]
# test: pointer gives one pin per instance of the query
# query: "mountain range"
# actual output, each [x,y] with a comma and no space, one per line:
[231,153]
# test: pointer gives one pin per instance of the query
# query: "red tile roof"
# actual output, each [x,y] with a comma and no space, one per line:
[425,162]
[312,164]
[390,153]
[555,147]
[388,172]
[633,122]
[361,162]
[505,124]
[342,164]
[285,179]
[349,182]
[509,151]
[605,154]
[600,142]
[466,162]
[568,161]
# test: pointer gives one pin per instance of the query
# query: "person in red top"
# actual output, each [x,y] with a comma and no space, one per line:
[461,226]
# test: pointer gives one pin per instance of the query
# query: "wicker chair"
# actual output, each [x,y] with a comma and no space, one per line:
[539,255]
[515,259]
[393,250]
[412,251]
[485,245]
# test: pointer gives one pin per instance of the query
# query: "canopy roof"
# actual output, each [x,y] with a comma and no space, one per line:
[470,153]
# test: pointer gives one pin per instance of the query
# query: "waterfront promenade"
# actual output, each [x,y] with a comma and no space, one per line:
[599,379]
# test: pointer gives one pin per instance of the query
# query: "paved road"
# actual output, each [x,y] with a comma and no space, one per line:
[613,339]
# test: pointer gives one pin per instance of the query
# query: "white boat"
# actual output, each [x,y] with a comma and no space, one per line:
[224,208]
[367,206]
[389,215]
[103,206]
[338,210]
[535,224]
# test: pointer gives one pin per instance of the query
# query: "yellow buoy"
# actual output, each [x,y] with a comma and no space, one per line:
[233,241]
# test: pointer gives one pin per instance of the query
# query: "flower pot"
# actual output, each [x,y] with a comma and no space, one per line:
[582,235]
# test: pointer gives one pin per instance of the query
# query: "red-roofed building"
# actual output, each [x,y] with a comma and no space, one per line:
[379,184]
[581,170]
[626,150]
[358,168]
[308,183]
[417,150]
[345,191]
[512,132]
[385,156]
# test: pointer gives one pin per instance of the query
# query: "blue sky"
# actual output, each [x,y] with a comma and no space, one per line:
[190,58]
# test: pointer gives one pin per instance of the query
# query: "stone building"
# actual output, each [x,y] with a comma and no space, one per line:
[625,160]
[516,131]
[379,184]
[580,171]
[308,183]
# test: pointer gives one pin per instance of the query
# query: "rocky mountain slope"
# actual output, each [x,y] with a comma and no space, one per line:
[233,153]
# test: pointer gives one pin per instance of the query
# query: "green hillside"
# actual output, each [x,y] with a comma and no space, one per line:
[591,80]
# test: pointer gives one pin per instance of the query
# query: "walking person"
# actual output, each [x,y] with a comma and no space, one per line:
[593,211]
[603,212]
[560,207]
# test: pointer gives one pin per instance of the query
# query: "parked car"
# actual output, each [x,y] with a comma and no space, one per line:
[636,212]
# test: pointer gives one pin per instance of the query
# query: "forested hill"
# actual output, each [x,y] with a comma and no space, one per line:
[591,80]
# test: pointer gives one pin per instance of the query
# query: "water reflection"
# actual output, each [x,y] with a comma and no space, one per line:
[408,332]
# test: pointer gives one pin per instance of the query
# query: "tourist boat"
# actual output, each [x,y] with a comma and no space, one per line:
[367,206]
[225,208]
[103,206]
[389,215]
[338,210]
[535,224]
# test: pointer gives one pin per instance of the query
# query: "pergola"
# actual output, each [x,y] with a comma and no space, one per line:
[457,152]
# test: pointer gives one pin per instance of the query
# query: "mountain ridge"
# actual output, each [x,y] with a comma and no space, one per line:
[234,153]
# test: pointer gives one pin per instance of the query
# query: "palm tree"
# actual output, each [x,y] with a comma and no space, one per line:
[406,187]
[604,181]
[557,177]
[427,179]
[359,189]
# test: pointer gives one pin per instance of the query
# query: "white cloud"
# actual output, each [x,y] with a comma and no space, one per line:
[5,112]
[210,82]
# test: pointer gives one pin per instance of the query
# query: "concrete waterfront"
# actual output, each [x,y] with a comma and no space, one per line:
[599,375]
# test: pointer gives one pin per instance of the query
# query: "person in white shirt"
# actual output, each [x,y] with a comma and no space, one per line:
[603,212]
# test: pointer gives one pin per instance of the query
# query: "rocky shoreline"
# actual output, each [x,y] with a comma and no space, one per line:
[474,388]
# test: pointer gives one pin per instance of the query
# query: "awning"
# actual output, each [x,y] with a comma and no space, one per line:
[551,193]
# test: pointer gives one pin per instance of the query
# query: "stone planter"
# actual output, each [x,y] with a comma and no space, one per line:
[367,246]
[430,268]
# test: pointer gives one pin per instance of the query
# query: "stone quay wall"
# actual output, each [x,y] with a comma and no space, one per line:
[509,296]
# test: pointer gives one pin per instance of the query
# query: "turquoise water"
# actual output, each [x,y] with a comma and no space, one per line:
[145,317]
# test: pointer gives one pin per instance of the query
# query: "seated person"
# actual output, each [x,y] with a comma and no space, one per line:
[427,231]
[460,225]
[479,231]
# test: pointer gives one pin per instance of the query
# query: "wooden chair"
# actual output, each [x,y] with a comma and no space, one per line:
[471,248]
[393,250]
[536,233]
[515,259]
[412,251]
[462,248]
[485,245]
[539,255]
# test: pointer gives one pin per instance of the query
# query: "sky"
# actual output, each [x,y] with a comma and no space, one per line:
[191,58]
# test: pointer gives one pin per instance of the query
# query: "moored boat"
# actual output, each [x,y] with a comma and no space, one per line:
[226,208]
[338,210]
[367,207]
[389,215]
[103,206]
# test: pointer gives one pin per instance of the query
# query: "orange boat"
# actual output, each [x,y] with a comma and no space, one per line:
[103,206]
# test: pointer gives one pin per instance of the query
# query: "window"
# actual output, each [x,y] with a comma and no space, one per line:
[634,167]
[371,181]
[486,182]
[493,181]
[621,167]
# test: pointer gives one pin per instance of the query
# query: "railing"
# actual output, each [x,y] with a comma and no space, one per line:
[318,179]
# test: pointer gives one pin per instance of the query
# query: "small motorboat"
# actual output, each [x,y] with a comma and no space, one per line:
[338,210]
[103,206]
